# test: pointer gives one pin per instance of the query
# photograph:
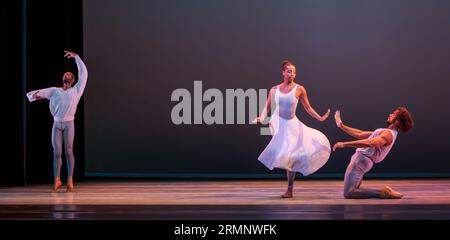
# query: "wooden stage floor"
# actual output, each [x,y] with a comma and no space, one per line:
[224,200]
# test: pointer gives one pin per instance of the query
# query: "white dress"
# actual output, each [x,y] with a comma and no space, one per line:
[294,146]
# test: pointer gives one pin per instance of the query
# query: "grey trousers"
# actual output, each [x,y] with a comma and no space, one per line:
[63,131]
[359,165]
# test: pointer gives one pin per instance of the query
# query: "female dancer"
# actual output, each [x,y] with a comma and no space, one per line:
[294,146]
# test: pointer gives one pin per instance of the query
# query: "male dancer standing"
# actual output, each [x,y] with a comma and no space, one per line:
[63,105]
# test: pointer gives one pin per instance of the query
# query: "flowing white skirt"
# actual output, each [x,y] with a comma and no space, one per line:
[295,147]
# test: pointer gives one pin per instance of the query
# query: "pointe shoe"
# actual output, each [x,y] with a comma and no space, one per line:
[287,194]
[55,187]
[389,193]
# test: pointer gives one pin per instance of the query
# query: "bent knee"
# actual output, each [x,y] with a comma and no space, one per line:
[348,193]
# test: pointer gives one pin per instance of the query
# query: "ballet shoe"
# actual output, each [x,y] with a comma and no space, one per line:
[57,185]
[69,187]
[389,193]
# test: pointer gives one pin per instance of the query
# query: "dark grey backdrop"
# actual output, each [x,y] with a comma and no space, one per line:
[364,57]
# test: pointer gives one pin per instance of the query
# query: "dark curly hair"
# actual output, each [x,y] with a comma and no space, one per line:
[406,121]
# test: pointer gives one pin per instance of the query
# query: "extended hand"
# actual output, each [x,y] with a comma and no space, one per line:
[258,120]
[68,54]
[337,117]
[37,97]
[325,116]
[338,145]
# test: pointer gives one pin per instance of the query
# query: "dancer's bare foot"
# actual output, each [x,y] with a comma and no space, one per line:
[69,185]
[56,185]
[389,193]
[287,194]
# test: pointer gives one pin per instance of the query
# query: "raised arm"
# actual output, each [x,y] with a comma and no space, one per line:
[385,138]
[303,95]
[82,72]
[356,133]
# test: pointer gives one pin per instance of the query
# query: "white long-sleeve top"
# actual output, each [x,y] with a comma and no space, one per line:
[63,103]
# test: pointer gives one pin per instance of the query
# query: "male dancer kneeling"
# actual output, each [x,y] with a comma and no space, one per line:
[371,148]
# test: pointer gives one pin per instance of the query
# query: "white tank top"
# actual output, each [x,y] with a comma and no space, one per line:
[377,154]
[286,103]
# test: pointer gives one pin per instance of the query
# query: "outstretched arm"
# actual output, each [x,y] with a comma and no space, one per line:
[356,133]
[385,138]
[301,91]
[40,94]
[82,72]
